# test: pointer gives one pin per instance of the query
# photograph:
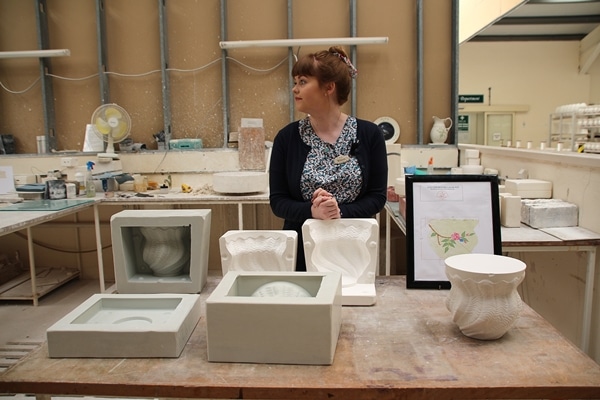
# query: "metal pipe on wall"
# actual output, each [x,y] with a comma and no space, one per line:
[164,65]
[101,44]
[46,82]
[419,71]
[454,71]
[224,73]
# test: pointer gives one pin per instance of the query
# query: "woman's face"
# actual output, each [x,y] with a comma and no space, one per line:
[308,95]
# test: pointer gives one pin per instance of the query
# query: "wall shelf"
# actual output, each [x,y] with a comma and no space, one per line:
[573,129]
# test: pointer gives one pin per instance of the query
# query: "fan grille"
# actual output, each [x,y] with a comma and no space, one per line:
[111,121]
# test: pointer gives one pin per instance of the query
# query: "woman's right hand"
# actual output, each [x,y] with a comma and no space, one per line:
[324,205]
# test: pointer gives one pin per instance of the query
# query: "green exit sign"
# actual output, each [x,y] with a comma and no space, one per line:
[470,98]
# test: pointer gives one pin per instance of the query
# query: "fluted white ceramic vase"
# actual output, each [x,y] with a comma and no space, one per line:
[483,298]
[165,249]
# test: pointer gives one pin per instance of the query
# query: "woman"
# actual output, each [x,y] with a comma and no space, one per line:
[328,165]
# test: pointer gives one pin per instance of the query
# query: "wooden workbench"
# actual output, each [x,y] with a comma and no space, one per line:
[404,347]
[527,239]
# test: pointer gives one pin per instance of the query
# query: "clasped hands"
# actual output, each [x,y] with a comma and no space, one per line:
[324,205]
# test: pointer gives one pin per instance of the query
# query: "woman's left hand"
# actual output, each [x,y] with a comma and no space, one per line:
[324,205]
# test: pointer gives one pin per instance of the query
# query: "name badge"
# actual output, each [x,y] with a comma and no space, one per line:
[341,159]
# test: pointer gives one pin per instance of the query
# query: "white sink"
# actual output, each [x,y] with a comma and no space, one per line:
[126,325]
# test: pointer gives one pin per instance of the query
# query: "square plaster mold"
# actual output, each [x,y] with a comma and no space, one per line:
[261,250]
[160,251]
[529,188]
[349,246]
[274,317]
[126,325]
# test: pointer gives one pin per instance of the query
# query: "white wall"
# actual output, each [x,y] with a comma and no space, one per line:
[542,75]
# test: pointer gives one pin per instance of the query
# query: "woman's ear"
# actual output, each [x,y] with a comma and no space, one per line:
[330,88]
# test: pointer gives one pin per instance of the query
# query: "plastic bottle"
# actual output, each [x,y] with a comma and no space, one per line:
[430,166]
[80,178]
[90,186]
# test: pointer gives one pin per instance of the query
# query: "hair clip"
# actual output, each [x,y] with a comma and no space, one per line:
[352,69]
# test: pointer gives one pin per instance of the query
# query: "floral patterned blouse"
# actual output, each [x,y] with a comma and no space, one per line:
[331,166]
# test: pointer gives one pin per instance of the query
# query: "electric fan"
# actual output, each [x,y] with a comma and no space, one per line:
[112,124]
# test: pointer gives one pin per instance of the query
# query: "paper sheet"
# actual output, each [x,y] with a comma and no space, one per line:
[92,142]
[7,181]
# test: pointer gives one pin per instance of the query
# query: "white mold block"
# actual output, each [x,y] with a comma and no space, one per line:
[240,182]
[258,250]
[510,211]
[549,213]
[259,318]
[349,246]
[529,188]
[471,153]
[160,251]
[126,326]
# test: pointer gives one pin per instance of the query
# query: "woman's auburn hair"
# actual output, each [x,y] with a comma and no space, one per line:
[326,66]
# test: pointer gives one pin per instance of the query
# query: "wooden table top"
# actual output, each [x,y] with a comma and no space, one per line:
[524,235]
[406,346]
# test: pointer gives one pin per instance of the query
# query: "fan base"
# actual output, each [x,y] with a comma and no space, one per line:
[114,156]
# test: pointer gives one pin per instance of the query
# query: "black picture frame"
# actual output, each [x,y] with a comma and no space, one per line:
[448,215]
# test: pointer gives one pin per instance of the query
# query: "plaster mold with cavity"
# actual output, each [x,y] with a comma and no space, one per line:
[274,317]
[161,251]
[126,325]
[349,246]
[258,250]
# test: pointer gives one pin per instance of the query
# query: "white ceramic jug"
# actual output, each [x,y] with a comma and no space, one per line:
[439,131]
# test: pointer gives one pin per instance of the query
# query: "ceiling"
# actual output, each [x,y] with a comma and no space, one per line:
[544,20]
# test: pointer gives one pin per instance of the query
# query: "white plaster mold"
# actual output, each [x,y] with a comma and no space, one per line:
[510,210]
[264,250]
[549,213]
[483,298]
[529,188]
[126,326]
[349,246]
[240,182]
[161,251]
[280,327]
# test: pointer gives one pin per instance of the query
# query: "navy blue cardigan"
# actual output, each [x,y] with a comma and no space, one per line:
[287,162]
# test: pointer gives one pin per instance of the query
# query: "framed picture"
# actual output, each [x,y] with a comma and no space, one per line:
[448,215]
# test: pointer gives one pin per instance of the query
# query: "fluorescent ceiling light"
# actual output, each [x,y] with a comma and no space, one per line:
[35,53]
[348,41]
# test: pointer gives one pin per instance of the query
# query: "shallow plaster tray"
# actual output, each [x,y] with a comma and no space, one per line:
[258,317]
[126,326]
